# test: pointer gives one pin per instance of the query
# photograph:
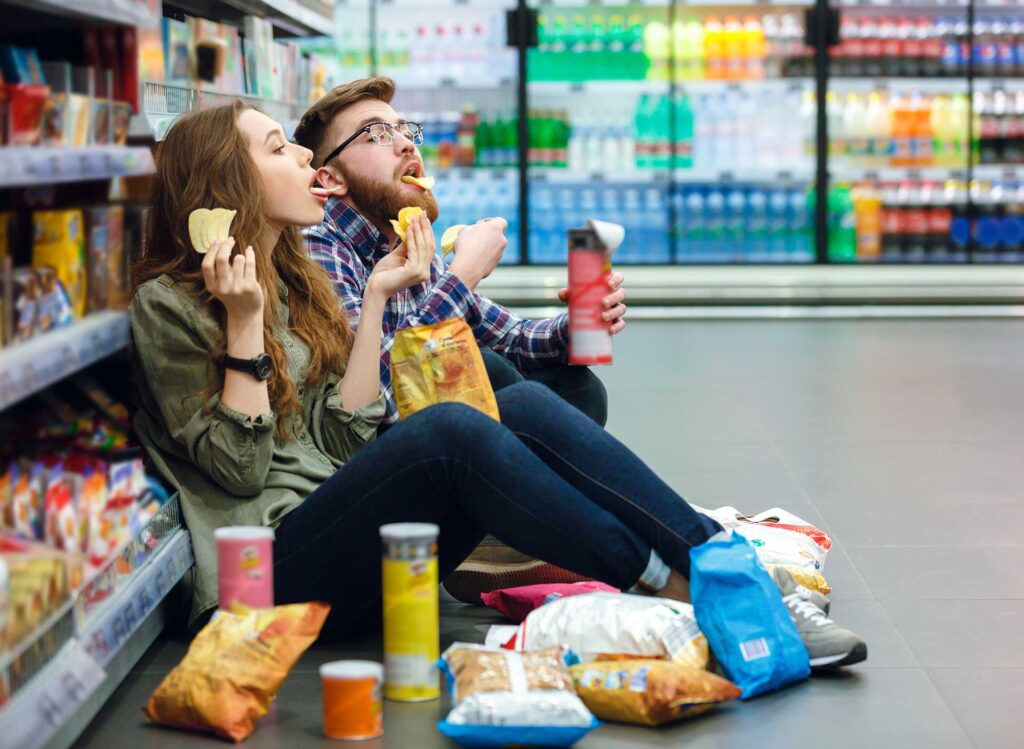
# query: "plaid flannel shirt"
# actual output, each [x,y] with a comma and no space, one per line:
[347,246]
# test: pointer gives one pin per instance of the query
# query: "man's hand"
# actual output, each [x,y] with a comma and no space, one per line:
[478,250]
[614,309]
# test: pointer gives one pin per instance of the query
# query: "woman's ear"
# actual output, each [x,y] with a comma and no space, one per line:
[331,180]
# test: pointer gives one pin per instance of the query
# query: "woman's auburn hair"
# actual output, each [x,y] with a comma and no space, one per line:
[204,162]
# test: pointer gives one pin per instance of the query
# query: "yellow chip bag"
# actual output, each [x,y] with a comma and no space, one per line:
[440,363]
[649,692]
[405,217]
[233,669]
[810,579]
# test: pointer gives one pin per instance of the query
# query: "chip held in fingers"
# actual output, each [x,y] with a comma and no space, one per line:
[405,217]
[449,237]
[427,183]
[209,225]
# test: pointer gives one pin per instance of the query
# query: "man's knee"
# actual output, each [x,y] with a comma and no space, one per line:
[500,371]
[578,386]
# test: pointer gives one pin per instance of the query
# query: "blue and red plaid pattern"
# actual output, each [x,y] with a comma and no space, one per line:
[347,246]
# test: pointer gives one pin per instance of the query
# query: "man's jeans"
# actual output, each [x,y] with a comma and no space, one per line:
[548,481]
[578,386]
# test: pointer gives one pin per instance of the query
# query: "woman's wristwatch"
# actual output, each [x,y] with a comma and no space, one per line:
[259,367]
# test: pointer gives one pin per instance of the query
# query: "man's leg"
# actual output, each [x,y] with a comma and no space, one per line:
[500,370]
[578,386]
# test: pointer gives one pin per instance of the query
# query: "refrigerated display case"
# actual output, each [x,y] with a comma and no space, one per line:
[697,124]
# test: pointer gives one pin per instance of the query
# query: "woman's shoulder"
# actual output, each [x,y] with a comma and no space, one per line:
[162,299]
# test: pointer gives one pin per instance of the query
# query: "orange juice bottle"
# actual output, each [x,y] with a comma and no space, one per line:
[867,211]
[900,133]
[714,49]
[735,63]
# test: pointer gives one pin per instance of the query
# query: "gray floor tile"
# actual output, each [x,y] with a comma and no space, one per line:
[961,572]
[891,471]
[844,577]
[987,702]
[886,646]
[750,491]
[961,634]
[922,523]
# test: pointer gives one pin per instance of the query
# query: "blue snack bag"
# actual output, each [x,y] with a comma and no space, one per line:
[741,612]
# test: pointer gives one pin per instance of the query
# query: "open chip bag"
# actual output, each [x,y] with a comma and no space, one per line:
[233,669]
[517,603]
[649,692]
[741,611]
[500,697]
[779,538]
[599,626]
[440,363]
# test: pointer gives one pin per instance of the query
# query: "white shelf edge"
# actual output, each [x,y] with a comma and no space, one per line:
[53,697]
[114,11]
[312,21]
[29,367]
[27,166]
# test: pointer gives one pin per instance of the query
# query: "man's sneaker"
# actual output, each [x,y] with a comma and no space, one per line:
[828,644]
[494,565]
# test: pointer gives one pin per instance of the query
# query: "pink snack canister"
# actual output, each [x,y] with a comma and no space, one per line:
[245,566]
[590,250]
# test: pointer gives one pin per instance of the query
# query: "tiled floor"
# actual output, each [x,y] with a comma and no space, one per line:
[903,439]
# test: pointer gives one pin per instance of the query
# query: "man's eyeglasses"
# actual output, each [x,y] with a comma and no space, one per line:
[383,134]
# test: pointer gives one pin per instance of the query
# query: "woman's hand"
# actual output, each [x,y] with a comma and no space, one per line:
[234,282]
[406,265]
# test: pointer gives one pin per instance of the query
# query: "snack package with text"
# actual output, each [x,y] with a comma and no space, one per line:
[233,669]
[500,697]
[440,363]
[517,603]
[599,626]
[649,692]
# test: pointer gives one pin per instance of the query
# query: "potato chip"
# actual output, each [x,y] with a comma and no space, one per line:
[449,237]
[206,226]
[427,183]
[405,217]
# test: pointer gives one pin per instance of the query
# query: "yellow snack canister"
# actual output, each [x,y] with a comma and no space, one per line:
[411,636]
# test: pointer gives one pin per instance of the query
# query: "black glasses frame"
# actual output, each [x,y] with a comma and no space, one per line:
[415,135]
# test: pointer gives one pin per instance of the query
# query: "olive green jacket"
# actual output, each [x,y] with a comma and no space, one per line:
[230,468]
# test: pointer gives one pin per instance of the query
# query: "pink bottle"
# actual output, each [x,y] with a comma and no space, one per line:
[245,566]
[590,251]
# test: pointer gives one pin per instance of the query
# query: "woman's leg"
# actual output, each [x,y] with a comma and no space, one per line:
[606,471]
[453,466]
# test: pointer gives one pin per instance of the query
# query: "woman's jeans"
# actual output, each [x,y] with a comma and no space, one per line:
[547,481]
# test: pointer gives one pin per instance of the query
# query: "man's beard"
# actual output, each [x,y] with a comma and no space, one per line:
[380,201]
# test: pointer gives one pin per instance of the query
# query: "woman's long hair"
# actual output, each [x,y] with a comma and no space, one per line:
[204,163]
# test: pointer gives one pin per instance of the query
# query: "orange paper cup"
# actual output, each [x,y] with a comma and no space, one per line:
[352,699]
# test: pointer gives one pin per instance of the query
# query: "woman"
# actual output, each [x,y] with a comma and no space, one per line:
[294,448]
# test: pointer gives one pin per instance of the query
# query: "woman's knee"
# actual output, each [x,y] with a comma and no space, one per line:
[450,423]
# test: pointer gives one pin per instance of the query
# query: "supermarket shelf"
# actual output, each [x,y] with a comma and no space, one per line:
[112,11]
[611,88]
[951,85]
[765,285]
[680,176]
[464,83]
[68,692]
[928,174]
[288,15]
[24,166]
[163,103]
[26,368]
[470,174]
[664,3]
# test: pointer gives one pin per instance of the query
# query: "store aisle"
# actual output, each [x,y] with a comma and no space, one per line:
[903,439]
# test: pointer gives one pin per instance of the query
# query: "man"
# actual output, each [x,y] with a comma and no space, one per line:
[361,149]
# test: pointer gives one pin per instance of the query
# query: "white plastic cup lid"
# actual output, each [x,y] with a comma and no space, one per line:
[409,532]
[352,670]
[244,533]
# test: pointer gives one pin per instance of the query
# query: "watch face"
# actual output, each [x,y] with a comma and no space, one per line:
[263,366]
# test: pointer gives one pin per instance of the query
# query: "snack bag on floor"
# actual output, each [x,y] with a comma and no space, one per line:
[517,603]
[502,698]
[440,363]
[233,669]
[596,626]
[779,537]
[740,610]
[649,692]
